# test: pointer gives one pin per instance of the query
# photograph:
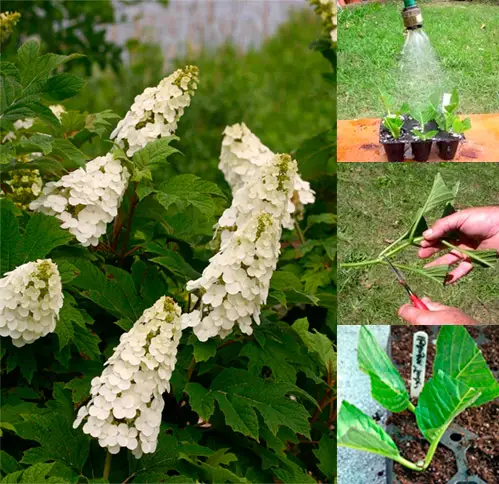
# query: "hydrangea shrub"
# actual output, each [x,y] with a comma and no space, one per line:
[158,327]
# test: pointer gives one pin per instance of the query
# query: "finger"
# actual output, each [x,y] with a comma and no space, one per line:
[425,252]
[434,306]
[411,314]
[447,259]
[460,271]
[445,225]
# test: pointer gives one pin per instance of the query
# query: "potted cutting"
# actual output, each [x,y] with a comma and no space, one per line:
[392,131]
[451,127]
[461,380]
[424,132]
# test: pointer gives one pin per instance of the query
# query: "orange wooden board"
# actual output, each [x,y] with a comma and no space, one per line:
[358,141]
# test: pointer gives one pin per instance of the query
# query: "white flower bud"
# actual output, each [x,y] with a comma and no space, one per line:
[126,400]
[30,300]
[87,199]
[25,186]
[156,111]
[242,159]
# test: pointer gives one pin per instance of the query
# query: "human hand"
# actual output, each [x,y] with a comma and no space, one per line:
[474,228]
[438,314]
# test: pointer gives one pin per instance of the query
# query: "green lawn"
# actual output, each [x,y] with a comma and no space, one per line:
[464,34]
[375,206]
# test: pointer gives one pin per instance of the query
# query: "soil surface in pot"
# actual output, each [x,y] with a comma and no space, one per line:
[483,455]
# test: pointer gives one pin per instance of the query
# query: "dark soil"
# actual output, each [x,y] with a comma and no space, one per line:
[483,455]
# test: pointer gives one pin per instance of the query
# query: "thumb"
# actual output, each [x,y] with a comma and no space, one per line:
[445,225]
[434,306]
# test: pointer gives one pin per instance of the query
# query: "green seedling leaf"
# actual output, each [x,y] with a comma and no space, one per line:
[440,195]
[443,398]
[358,431]
[387,386]
[394,124]
[459,357]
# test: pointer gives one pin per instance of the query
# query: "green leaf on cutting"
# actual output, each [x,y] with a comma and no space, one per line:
[440,195]
[387,386]
[358,431]
[459,357]
[443,398]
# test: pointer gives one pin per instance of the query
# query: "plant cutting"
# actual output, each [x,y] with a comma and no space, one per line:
[441,196]
[392,129]
[451,126]
[461,379]
[423,132]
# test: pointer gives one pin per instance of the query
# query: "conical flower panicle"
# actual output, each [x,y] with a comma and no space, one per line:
[236,282]
[30,300]
[328,12]
[155,112]
[126,400]
[244,156]
[87,199]
[25,186]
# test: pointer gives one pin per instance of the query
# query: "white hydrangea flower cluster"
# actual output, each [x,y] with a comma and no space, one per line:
[328,11]
[242,158]
[155,112]
[87,199]
[126,404]
[236,282]
[25,186]
[30,300]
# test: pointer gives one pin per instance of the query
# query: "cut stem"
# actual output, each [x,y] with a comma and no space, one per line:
[408,464]
[107,466]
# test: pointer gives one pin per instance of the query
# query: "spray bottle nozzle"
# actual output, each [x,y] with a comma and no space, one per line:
[413,18]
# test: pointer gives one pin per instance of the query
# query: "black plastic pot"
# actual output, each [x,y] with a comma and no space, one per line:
[447,149]
[394,151]
[421,150]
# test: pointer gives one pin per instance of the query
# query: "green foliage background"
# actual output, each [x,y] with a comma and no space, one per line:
[243,409]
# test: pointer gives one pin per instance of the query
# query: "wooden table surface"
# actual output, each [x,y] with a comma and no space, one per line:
[358,141]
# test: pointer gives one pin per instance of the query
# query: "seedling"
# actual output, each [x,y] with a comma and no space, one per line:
[461,379]
[440,196]
[393,120]
[423,117]
[447,118]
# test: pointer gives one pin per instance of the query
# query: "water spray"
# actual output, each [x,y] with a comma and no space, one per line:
[413,18]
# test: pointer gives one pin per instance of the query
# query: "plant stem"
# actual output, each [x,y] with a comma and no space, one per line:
[362,263]
[133,204]
[408,464]
[299,232]
[190,370]
[411,407]
[107,466]
[431,453]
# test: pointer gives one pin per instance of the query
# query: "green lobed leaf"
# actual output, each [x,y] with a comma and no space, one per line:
[440,195]
[7,463]
[459,357]
[387,386]
[53,430]
[42,234]
[9,238]
[358,431]
[63,86]
[443,398]
[326,453]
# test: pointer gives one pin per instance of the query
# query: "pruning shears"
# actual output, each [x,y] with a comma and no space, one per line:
[416,302]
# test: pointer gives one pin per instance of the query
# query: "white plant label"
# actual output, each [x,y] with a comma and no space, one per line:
[419,354]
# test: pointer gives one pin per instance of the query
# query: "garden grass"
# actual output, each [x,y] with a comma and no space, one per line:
[464,34]
[376,205]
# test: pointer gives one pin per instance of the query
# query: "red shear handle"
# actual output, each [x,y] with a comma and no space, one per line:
[417,303]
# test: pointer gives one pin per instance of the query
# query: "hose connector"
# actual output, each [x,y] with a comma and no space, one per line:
[413,18]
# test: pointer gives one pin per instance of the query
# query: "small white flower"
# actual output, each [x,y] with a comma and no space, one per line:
[155,112]
[30,300]
[25,186]
[126,400]
[58,110]
[24,123]
[87,199]
[242,159]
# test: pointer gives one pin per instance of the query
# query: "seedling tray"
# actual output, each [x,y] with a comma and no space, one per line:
[395,149]
[457,443]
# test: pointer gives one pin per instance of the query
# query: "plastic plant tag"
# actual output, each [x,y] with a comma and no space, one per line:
[446,99]
[419,353]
